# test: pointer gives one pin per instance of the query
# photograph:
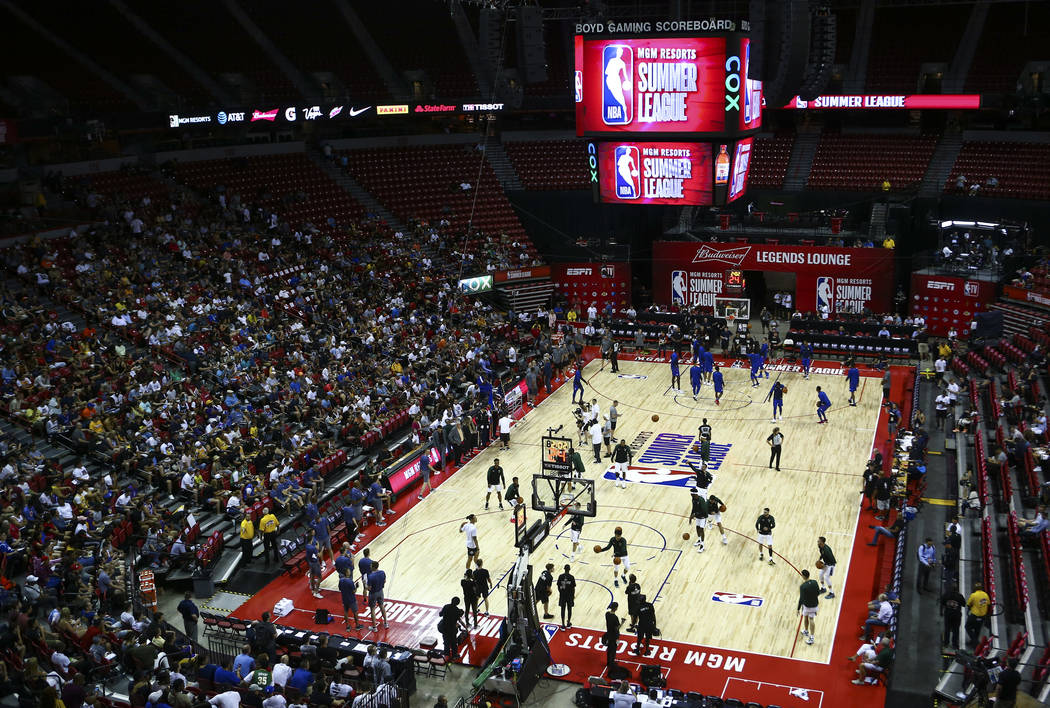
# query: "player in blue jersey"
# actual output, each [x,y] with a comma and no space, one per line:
[823,404]
[698,350]
[716,379]
[696,378]
[853,376]
[756,364]
[763,358]
[577,382]
[709,365]
[676,373]
[806,352]
[778,401]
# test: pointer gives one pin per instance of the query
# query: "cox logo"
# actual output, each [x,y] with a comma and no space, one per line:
[592,161]
[733,84]
[221,117]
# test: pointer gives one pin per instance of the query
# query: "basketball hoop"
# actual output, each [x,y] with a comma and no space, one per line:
[729,322]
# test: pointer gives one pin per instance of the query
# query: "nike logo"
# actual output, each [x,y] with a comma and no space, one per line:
[354,113]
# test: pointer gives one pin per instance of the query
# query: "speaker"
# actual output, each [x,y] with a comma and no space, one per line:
[321,616]
[532,63]
[823,38]
[989,325]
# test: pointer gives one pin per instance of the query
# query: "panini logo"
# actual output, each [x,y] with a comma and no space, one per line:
[577,271]
[732,256]
[392,110]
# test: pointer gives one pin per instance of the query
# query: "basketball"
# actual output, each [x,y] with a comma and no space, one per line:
[597,549]
[685,536]
[820,564]
[617,561]
[785,388]
[655,417]
[721,508]
[521,501]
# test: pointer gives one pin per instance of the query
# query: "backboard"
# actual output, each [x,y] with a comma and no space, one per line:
[733,308]
[556,494]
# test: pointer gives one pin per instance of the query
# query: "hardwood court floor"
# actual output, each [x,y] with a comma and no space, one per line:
[815,493]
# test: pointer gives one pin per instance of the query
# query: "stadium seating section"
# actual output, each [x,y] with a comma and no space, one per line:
[550,164]
[862,162]
[1014,34]
[1022,169]
[901,43]
[770,161]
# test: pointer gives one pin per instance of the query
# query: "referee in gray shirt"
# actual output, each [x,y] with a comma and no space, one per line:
[775,440]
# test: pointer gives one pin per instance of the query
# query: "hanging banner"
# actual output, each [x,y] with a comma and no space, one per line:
[948,302]
[600,284]
[689,274]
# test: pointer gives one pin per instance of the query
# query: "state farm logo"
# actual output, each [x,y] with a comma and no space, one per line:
[732,256]
[577,271]
[939,285]
[264,115]
[971,288]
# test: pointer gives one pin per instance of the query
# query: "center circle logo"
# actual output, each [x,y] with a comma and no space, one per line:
[222,117]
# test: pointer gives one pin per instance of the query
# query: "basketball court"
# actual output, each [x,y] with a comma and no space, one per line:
[721,611]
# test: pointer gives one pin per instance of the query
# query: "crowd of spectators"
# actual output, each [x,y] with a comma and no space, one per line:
[193,355]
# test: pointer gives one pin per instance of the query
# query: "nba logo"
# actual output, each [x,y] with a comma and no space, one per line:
[618,92]
[825,296]
[678,280]
[579,86]
[971,288]
[628,180]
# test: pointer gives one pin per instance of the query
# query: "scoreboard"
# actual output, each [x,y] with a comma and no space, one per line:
[555,455]
[670,116]
[685,87]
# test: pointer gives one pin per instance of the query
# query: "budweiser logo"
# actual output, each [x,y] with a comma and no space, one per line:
[732,256]
[264,115]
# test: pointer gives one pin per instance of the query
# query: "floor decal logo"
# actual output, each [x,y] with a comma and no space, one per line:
[735,598]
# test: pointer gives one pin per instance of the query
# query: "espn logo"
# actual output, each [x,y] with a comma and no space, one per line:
[939,285]
[577,271]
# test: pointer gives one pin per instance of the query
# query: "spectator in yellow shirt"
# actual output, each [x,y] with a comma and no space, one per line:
[571,315]
[978,605]
[269,526]
[888,242]
[247,536]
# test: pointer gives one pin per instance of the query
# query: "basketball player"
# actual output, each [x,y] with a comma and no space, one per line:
[621,458]
[828,559]
[606,435]
[577,382]
[763,357]
[348,591]
[618,544]
[709,365]
[698,514]
[470,596]
[705,430]
[575,524]
[426,468]
[614,357]
[756,363]
[765,525]
[853,376]
[806,353]
[778,401]
[696,375]
[703,477]
[471,530]
[676,374]
[808,597]
[775,440]
[543,590]
[613,415]
[716,380]
[633,591]
[496,482]
[513,492]
[714,515]
[823,404]
[376,583]
[566,596]
[483,583]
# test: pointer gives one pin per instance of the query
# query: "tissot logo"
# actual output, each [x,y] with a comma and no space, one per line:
[939,285]
[577,271]
[733,256]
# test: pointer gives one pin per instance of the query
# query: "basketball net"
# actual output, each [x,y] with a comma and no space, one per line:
[729,322]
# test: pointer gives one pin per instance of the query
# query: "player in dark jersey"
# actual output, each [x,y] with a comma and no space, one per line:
[777,393]
[618,544]
[496,482]
[483,584]
[698,514]
[566,596]
[704,430]
[575,524]
[765,525]
[715,507]
[828,559]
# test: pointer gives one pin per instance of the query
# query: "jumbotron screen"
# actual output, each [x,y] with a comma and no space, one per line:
[655,173]
[665,86]
[741,169]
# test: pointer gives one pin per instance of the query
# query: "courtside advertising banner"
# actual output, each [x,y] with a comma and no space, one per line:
[689,274]
[655,173]
[947,302]
[657,85]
